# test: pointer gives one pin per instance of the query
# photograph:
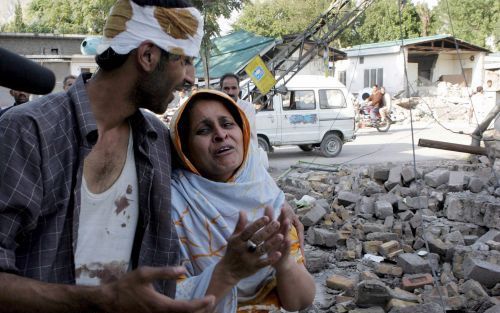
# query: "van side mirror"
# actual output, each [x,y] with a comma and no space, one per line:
[282,90]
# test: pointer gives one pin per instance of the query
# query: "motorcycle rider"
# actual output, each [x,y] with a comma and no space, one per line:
[375,101]
[385,111]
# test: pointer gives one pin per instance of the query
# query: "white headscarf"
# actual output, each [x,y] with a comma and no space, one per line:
[175,30]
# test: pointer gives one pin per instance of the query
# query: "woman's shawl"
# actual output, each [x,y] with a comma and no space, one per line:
[205,214]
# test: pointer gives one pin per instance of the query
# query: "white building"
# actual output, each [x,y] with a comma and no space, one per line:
[426,59]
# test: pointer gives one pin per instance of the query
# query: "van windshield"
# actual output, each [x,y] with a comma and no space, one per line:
[331,98]
[299,100]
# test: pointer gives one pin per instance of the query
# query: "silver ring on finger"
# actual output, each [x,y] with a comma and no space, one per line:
[251,246]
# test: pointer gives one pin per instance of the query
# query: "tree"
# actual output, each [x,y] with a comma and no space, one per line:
[470,20]
[68,17]
[17,25]
[381,22]
[212,10]
[280,17]
[427,17]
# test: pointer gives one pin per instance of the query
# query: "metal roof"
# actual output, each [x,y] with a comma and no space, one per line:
[418,41]
[232,52]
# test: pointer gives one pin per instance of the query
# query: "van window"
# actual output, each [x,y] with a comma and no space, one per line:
[299,100]
[331,98]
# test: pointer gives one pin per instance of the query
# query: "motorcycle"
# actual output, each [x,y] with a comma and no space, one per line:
[382,124]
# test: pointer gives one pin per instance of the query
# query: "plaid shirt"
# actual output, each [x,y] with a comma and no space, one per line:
[42,148]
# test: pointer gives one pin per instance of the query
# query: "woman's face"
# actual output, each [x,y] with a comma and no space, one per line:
[215,141]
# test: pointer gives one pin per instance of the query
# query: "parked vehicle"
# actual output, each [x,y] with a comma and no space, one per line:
[311,112]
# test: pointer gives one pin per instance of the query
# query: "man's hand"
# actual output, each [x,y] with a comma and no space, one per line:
[134,292]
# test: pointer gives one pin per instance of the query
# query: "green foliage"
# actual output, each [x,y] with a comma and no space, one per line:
[427,18]
[61,16]
[280,17]
[381,22]
[211,11]
[472,20]
[17,25]
[68,17]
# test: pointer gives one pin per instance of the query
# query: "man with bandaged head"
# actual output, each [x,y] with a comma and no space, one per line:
[85,220]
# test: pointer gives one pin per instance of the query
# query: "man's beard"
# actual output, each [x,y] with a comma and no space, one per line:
[148,92]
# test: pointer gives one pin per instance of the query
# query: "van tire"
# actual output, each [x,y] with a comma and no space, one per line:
[331,145]
[264,144]
[306,147]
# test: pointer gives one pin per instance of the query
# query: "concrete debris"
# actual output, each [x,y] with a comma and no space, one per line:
[368,230]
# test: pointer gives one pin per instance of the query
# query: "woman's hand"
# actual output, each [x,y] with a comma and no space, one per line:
[284,262]
[287,211]
[265,233]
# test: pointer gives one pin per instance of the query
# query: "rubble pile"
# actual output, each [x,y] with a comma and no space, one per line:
[375,235]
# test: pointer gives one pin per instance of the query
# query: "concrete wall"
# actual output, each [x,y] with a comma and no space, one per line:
[449,64]
[61,67]
[41,44]
[392,63]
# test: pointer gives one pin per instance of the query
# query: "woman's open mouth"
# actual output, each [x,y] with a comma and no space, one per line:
[223,150]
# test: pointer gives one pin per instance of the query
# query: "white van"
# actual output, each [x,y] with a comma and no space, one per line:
[312,111]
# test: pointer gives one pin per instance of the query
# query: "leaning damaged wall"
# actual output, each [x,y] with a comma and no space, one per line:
[367,229]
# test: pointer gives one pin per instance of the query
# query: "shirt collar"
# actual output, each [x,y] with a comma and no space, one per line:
[87,124]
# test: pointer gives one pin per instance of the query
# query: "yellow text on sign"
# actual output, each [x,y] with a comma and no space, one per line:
[260,75]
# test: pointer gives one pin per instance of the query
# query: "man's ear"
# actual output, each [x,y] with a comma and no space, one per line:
[148,55]
[11,92]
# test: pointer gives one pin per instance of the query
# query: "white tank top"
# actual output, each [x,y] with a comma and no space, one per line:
[107,227]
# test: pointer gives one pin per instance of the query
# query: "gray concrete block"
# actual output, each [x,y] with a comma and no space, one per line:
[419,308]
[372,228]
[380,173]
[394,177]
[479,209]
[488,274]
[382,236]
[437,177]
[371,293]
[420,202]
[346,198]
[413,264]
[456,181]
[493,309]
[475,185]
[321,237]
[365,206]
[408,174]
[405,215]
[313,216]
[383,209]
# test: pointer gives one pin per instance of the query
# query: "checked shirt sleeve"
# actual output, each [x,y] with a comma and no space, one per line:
[20,185]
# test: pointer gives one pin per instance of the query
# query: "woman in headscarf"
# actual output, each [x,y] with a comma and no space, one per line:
[224,208]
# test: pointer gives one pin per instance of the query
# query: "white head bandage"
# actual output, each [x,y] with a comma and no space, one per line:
[176,30]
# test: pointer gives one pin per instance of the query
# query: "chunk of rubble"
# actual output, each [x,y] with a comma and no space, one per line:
[411,263]
[371,293]
[488,274]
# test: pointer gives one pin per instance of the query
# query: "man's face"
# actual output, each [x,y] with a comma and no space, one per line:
[231,88]
[156,90]
[69,82]
[20,97]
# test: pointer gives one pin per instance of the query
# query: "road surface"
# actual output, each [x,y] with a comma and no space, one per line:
[372,146]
